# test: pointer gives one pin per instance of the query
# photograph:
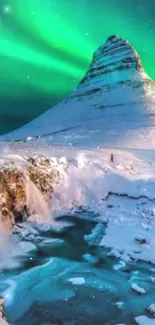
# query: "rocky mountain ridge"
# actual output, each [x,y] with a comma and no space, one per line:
[115,85]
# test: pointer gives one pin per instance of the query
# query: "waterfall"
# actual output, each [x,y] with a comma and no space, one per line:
[4,235]
[35,202]
[37,208]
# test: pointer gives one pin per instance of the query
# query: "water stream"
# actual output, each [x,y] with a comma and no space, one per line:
[71,281]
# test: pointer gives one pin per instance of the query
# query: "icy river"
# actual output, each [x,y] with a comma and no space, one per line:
[70,280]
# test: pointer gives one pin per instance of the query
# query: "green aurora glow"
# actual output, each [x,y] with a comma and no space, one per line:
[46,45]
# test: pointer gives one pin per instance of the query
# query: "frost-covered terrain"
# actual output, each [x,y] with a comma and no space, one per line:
[101,250]
[92,261]
[120,192]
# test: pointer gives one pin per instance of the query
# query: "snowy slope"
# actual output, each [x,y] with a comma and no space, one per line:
[115,91]
[121,194]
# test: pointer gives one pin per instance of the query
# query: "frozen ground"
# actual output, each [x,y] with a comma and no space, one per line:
[121,191]
[117,184]
[52,267]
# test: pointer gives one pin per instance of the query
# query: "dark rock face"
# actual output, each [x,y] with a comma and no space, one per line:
[42,175]
[12,195]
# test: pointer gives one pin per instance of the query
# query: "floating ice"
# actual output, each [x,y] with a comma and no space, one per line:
[144,320]
[77,281]
[152,309]
[138,289]
[90,258]
[120,304]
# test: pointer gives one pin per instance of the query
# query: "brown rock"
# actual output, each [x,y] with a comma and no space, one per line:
[3,320]
[13,177]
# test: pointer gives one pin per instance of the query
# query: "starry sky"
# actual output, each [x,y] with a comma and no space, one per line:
[46,47]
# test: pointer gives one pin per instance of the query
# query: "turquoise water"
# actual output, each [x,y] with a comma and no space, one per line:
[72,281]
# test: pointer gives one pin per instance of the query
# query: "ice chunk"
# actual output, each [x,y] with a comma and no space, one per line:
[144,320]
[119,266]
[152,309]
[135,272]
[120,304]
[138,289]
[90,258]
[77,281]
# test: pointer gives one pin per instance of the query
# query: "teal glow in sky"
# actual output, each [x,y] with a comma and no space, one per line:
[46,47]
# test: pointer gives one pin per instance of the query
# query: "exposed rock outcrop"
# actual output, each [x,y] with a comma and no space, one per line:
[37,173]
[3,320]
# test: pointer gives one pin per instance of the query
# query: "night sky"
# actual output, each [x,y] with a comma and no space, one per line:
[46,47]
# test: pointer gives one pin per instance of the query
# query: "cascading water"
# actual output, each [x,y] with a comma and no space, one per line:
[37,206]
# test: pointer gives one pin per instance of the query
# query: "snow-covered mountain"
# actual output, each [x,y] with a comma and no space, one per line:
[115,90]
[84,216]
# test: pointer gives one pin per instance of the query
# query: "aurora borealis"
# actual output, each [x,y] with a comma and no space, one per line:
[46,47]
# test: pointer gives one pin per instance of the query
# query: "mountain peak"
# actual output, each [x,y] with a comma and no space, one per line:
[115,56]
[113,37]
[115,87]
[116,41]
